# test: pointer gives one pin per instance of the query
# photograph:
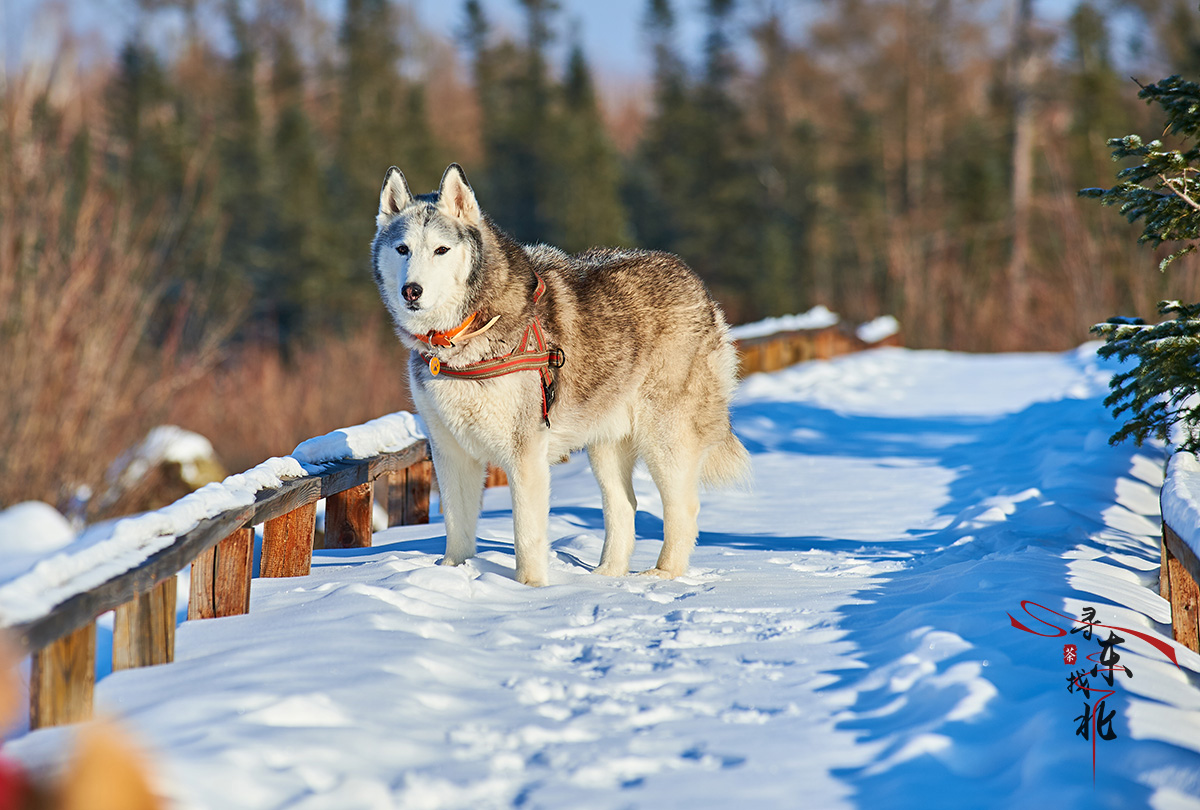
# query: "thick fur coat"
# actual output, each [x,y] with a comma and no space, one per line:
[649,372]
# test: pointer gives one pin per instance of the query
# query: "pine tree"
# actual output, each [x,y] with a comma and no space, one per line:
[1096,85]
[1162,191]
[301,281]
[659,186]
[242,181]
[376,128]
[585,208]
[726,216]
[515,97]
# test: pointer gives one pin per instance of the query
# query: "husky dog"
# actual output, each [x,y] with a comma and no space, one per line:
[522,354]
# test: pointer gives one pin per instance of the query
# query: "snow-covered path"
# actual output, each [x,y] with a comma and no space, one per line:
[842,639]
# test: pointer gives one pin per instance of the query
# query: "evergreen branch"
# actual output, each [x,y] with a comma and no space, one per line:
[1170,182]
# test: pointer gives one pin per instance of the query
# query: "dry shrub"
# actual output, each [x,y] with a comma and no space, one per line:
[90,361]
[264,401]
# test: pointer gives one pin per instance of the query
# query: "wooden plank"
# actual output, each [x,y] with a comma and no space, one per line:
[773,356]
[62,679]
[1182,570]
[81,608]
[348,517]
[144,629]
[235,565]
[395,497]
[1181,551]
[221,578]
[408,495]
[202,586]
[291,496]
[288,543]
[417,484]
[1185,606]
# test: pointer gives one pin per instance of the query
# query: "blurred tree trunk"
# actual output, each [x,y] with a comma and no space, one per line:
[1024,77]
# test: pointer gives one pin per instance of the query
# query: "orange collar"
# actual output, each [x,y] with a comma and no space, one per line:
[434,338]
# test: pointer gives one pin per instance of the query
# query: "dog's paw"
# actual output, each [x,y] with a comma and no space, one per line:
[452,561]
[610,571]
[661,574]
[533,580]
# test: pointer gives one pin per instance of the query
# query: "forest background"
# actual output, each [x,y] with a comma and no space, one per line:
[185,221]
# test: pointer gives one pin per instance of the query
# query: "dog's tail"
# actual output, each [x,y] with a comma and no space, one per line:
[727,463]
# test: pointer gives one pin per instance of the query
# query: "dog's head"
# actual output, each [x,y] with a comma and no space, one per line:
[427,251]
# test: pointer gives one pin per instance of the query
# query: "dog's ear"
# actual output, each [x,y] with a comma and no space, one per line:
[394,196]
[455,196]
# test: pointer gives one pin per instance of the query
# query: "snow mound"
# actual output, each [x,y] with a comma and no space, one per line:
[879,329]
[165,443]
[387,434]
[1181,498]
[111,548]
[33,527]
[816,318]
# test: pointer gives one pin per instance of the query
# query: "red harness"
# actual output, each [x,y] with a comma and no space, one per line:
[533,353]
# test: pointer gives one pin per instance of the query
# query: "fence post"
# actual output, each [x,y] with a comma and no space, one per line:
[348,517]
[221,578]
[62,679]
[408,494]
[144,629]
[288,543]
[1184,593]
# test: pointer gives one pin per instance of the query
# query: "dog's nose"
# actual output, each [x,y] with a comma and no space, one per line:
[411,292]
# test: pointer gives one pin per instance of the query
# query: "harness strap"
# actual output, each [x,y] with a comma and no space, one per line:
[533,353]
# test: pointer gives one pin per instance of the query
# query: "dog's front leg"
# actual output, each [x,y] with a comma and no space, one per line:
[460,487]
[529,482]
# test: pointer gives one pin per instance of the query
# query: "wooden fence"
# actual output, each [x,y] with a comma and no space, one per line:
[1177,577]
[220,548]
[782,349]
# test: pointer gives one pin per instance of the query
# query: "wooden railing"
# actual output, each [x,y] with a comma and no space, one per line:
[1179,571]
[1177,578]
[219,548]
[782,349]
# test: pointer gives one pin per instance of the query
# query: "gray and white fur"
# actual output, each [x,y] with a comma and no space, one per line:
[649,373]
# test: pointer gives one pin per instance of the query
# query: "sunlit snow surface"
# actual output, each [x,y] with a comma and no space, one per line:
[842,639]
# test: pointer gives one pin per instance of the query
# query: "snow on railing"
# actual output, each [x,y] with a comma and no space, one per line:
[776,343]
[130,565]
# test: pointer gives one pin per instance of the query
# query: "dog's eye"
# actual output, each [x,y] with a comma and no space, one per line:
[402,250]
[442,251]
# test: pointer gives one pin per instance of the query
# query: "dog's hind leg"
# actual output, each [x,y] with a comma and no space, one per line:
[460,487]
[612,464]
[675,468]
[529,482]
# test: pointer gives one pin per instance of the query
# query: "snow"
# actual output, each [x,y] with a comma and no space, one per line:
[29,531]
[32,584]
[387,434]
[163,443]
[1181,498]
[843,637]
[879,329]
[816,318]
